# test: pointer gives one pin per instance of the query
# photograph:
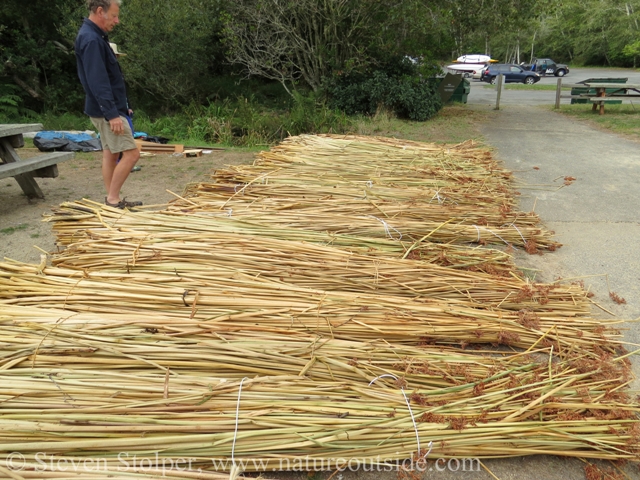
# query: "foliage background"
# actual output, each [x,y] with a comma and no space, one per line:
[270,57]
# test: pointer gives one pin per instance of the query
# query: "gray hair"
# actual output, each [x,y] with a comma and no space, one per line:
[105,4]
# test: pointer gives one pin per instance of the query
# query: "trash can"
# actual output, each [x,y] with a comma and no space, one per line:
[592,91]
[461,92]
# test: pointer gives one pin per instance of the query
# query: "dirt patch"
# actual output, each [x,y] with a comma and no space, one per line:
[22,230]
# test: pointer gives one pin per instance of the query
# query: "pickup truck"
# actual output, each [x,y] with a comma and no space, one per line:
[546,66]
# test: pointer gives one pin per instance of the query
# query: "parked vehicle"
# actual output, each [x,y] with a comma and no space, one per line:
[512,74]
[477,74]
[467,65]
[546,66]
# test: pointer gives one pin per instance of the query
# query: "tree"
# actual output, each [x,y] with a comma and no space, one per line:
[496,27]
[591,31]
[309,40]
[172,47]
[287,40]
[36,55]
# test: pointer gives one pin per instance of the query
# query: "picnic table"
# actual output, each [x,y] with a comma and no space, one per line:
[605,91]
[25,171]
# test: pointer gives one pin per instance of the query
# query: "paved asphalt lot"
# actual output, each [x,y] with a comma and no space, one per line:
[487,96]
[597,218]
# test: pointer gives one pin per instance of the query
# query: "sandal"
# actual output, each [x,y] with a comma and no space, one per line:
[122,204]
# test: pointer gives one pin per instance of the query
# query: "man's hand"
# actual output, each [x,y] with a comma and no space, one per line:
[116,126]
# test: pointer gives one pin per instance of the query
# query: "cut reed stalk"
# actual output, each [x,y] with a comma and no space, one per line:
[91,385]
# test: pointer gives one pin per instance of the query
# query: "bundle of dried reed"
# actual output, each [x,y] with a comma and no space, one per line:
[497,312]
[87,385]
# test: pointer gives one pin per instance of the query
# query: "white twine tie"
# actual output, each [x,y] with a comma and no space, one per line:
[387,228]
[437,195]
[492,233]
[413,419]
[478,240]
[235,432]
[518,230]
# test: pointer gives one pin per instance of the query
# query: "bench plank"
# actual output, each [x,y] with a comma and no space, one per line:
[16,141]
[41,161]
[47,172]
[26,181]
[7,130]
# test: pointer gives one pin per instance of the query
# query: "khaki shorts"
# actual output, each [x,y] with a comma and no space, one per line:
[112,142]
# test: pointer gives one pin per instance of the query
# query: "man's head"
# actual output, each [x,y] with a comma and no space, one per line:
[104,13]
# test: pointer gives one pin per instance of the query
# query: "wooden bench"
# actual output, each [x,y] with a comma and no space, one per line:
[42,166]
[606,92]
[25,171]
[611,91]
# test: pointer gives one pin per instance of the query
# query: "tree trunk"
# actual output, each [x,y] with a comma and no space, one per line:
[26,87]
[532,45]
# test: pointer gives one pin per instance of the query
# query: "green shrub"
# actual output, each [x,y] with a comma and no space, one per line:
[246,122]
[398,88]
[49,120]
[11,108]
[65,121]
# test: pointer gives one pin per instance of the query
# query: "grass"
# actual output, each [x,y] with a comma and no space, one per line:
[454,123]
[245,125]
[12,230]
[623,119]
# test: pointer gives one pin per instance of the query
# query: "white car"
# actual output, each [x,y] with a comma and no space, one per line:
[477,74]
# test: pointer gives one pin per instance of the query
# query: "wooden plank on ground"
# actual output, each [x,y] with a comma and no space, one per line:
[189,147]
[193,153]
[153,147]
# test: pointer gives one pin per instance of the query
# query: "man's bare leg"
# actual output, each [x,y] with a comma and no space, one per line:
[119,174]
[109,162]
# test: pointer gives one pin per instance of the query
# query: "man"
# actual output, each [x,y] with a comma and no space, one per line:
[119,54]
[106,97]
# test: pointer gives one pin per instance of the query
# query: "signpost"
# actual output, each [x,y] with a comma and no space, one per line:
[499,85]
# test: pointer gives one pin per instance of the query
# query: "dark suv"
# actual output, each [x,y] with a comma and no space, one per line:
[512,73]
[546,66]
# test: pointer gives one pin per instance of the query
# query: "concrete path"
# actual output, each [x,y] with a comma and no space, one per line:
[597,217]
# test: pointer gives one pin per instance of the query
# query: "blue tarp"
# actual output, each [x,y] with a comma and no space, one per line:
[49,140]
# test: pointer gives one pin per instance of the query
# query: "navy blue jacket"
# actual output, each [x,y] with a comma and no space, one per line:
[100,73]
